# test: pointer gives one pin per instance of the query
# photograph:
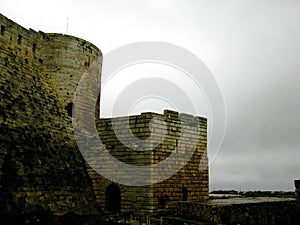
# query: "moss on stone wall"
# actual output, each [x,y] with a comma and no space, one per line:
[40,164]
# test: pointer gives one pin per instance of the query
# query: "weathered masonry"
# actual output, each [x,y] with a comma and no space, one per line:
[163,135]
[249,211]
[40,163]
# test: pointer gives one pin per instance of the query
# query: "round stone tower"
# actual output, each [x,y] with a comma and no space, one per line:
[67,59]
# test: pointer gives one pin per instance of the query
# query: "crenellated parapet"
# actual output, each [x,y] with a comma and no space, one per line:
[62,58]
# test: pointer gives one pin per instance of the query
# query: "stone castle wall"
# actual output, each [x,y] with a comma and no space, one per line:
[189,184]
[40,164]
[264,212]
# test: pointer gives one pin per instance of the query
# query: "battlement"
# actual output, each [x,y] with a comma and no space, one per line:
[63,58]
[29,43]
[158,133]
[18,39]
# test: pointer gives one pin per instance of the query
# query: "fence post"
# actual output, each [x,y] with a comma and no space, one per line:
[297,189]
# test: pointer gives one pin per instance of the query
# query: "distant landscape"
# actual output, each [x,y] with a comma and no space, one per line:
[233,193]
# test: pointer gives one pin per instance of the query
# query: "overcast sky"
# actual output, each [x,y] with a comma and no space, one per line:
[251,47]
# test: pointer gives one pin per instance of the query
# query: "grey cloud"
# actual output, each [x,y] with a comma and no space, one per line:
[253,50]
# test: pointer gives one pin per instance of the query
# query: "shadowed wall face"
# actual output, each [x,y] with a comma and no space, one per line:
[39,160]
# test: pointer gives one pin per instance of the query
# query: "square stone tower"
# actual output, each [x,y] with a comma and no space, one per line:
[168,158]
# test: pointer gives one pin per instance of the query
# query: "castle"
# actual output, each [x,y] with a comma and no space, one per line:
[46,165]
[40,163]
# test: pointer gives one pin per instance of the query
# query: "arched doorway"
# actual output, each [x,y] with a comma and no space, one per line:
[113,198]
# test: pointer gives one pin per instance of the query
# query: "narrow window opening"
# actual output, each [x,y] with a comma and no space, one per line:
[2,29]
[19,39]
[184,194]
[34,47]
[6,61]
[69,108]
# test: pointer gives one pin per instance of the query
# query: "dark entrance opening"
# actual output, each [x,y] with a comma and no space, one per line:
[113,198]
